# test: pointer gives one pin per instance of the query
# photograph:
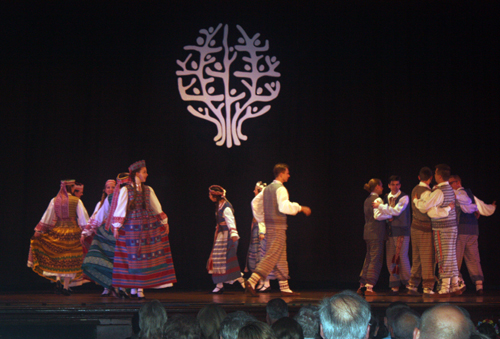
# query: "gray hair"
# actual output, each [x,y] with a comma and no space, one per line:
[404,324]
[445,321]
[277,308]
[152,320]
[233,322]
[308,318]
[345,315]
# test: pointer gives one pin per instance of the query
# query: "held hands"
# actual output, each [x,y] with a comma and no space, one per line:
[234,238]
[451,205]
[375,204]
[38,234]
[262,236]
[306,210]
[115,232]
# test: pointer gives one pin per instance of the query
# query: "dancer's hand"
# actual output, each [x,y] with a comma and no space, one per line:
[234,238]
[262,236]
[38,234]
[306,210]
[115,232]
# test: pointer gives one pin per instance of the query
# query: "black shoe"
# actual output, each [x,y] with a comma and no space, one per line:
[264,289]
[392,293]
[123,294]
[58,288]
[480,292]
[219,291]
[65,292]
[361,291]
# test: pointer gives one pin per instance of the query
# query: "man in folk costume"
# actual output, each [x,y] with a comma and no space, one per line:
[55,251]
[223,263]
[398,242]
[468,231]
[271,206]
[422,243]
[444,230]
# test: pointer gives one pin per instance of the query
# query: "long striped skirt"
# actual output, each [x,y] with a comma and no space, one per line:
[98,263]
[275,258]
[58,252]
[256,251]
[445,243]
[232,266]
[142,256]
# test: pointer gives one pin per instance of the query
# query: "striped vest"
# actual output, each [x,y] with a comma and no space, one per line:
[400,225]
[420,221]
[451,220]
[272,216]
[467,222]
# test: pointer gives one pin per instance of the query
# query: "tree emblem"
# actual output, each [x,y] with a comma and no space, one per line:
[227,85]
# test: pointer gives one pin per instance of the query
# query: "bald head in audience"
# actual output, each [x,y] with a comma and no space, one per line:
[444,321]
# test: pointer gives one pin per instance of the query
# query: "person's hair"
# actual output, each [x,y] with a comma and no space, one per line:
[256,330]
[425,173]
[181,326]
[393,310]
[374,326]
[287,328]
[404,323]
[394,178]
[233,322]
[131,205]
[487,329]
[444,171]
[370,186]
[345,315]
[75,189]
[152,320]
[277,308]
[209,318]
[308,318]
[278,169]
[456,177]
[432,325]
[217,197]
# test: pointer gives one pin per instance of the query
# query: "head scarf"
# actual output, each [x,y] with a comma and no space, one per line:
[137,165]
[122,178]
[261,185]
[110,181]
[61,202]
[215,193]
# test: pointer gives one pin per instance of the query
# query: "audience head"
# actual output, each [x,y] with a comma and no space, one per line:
[182,326]
[256,330]
[404,323]
[346,315]
[287,328]
[209,318]
[276,309]
[232,324]
[392,311]
[308,318]
[444,321]
[488,328]
[152,320]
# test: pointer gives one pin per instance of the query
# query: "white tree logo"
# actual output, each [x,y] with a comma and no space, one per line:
[224,89]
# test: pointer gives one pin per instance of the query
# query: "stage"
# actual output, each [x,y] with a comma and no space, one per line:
[85,314]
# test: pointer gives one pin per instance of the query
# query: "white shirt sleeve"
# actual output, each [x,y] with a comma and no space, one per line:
[98,218]
[438,212]
[156,206]
[465,202]
[396,210]
[121,208]
[258,207]
[428,200]
[96,209]
[262,228]
[48,219]
[377,214]
[484,209]
[81,212]
[284,204]
[230,222]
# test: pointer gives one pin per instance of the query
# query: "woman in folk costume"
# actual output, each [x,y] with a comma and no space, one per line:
[142,252]
[257,248]
[223,263]
[56,252]
[87,236]
[98,263]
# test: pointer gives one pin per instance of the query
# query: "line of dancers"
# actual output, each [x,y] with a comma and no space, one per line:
[124,245]
[443,228]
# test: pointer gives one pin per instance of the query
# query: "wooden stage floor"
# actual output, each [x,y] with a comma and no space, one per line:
[85,314]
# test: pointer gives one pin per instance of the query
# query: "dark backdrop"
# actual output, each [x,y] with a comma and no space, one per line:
[369,89]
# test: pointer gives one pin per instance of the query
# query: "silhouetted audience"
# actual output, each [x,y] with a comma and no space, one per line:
[444,321]
[182,326]
[256,330]
[488,328]
[287,328]
[276,309]
[232,324]
[404,323]
[308,318]
[391,312]
[346,315]
[152,320]
[210,318]
[374,327]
